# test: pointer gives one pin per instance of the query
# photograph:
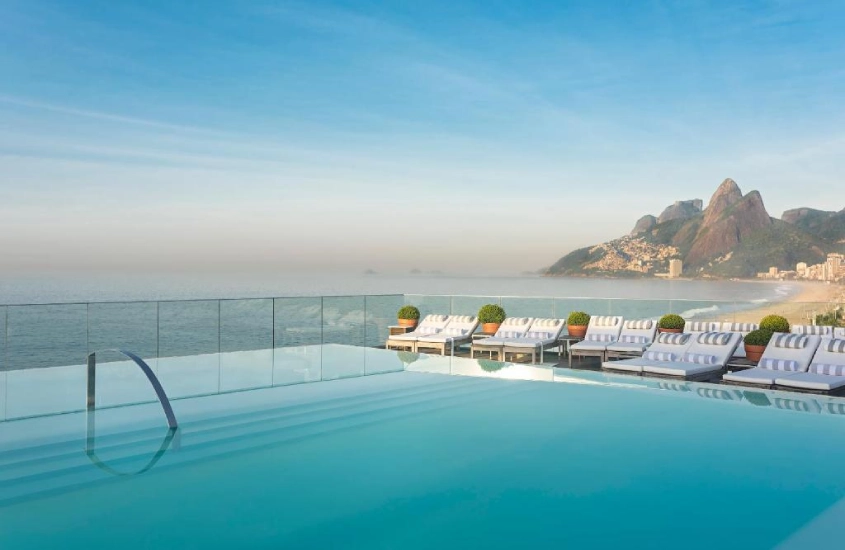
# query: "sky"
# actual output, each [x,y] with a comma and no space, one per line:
[485,137]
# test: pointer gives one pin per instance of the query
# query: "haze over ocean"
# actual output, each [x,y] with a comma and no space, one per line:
[104,287]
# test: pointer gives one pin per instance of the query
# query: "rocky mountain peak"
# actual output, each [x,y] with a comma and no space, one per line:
[644,225]
[681,210]
[730,217]
[726,195]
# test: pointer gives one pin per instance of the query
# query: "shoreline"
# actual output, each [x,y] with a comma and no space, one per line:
[812,298]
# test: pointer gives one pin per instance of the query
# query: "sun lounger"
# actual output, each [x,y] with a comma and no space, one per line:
[743,329]
[839,332]
[635,338]
[602,331]
[705,357]
[512,327]
[542,335]
[667,347]
[431,324]
[826,372]
[457,332]
[785,354]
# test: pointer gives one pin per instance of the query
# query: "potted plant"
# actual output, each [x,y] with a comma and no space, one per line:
[775,323]
[408,316]
[577,323]
[491,316]
[671,322]
[755,343]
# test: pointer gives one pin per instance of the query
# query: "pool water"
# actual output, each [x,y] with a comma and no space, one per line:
[440,453]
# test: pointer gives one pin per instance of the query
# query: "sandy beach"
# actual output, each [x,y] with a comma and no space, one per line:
[812,299]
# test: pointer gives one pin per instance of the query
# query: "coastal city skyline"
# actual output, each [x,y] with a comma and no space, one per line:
[322,136]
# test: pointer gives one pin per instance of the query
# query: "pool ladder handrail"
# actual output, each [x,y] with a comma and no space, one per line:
[162,396]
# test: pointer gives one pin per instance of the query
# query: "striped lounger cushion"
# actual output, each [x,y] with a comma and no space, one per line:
[454,331]
[673,338]
[600,338]
[539,335]
[630,339]
[790,341]
[605,321]
[659,356]
[836,346]
[700,358]
[787,365]
[714,338]
[823,368]
[426,331]
[642,324]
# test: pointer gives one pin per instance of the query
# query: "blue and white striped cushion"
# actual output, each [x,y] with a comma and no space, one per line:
[779,364]
[600,338]
[659,356]
[790,341]
[454,331]
[699,326]
[714,338]
[632,339]
[811,329]
[427,330]
[508,334]
[605,321]
[673,338]
[700,358]
[743,327]
[836,346]
[538,335]
[824,368]
[641,324]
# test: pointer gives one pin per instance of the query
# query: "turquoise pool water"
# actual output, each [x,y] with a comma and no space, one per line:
[426,452]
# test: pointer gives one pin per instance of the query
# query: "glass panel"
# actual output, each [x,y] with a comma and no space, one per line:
[45,336]
[593,306]
[298,321]
[640,309]
[379,361]
[296,364]
[529,307]
[439,305]
[188,328]
[469,305]
[381,313]
[130,326]
[700,310]
[343,320]
[246,325]
[190,375]
[3,313]
[3,377]
[241,370]
[59,390]
[344,362]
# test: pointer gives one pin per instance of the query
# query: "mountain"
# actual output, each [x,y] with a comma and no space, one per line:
[827,225]
[733,237]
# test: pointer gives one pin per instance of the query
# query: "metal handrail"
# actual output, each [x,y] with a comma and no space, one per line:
[162,397]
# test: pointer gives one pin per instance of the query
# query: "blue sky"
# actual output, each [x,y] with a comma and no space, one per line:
[469,137]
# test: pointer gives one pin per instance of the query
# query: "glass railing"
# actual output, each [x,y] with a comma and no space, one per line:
[36,336]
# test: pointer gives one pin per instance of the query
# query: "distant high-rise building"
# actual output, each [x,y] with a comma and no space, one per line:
[801,268]
[675,268]
[773,272]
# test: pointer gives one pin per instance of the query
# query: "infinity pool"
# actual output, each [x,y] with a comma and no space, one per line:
[422,452]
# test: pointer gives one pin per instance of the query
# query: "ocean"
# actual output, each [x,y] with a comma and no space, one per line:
[66,288]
